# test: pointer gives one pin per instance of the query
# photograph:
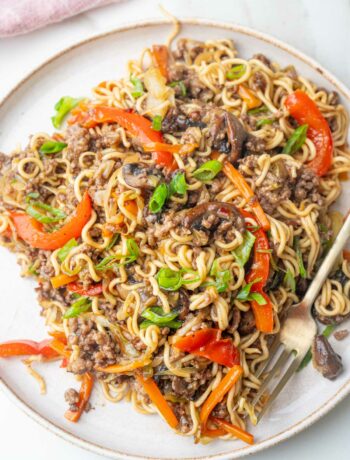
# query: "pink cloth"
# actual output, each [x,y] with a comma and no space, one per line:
[22,16]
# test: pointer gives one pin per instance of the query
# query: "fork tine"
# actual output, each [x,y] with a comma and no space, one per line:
[272,351]
[277,366]
[279,387]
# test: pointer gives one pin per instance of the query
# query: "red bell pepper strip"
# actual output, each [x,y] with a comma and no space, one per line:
[207,343]
[32,232]
[160,57]
[305,111]
[84,396]
[137,125]
[263,314]
[27,347]
[95,289]
[260,271]
[244,188]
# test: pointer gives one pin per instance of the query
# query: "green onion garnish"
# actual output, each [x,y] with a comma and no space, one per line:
[158,198]
[302,269]
[63,107]
[80,306]
[181,85]
[242,253]
[169,280]
[55,214]
[296,140]
[264,121]
[50,147]
[258,110]
[208,170]
[236,72]
[156,315]
[138,87]
[245,295]
[289,280]
[32,196]
[178,184]
[157,123]
[66,249]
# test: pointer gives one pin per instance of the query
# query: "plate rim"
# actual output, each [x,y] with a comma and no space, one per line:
[246,450]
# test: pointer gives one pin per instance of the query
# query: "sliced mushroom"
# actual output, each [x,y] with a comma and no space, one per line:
[236,135]
[325,359]
[183,304]
[208,216]
[227,135]
[141,175]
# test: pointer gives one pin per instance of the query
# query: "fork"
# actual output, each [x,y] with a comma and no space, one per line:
[298,329]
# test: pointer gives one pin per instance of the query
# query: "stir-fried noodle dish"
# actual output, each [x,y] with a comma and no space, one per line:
[169,221]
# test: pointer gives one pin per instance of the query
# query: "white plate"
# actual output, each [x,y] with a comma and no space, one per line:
[115,429]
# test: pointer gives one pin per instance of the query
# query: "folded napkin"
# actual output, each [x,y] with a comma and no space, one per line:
[22,16]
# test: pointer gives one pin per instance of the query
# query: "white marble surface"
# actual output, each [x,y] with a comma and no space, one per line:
[320,29]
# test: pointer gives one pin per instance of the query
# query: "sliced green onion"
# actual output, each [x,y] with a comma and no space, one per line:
[133,250]
[208,170]
[327,332]
[236,72]
[157,123]
[223,279]
[289,280]
[245,294]
[63,107]
[168,279]
[296,140]
[32,270]
[80,306]
[302,269]
[66,249]
[106,263]
[242,253]
[158,198]
[138,87]
[32,196]
[55,213]
[264,121]
[181,85]
[157,316]
[178,184]
[112,242]
[50,147]
[171,324]
[258,110]
[259,299]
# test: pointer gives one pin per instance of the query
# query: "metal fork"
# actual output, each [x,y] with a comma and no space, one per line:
[298,329]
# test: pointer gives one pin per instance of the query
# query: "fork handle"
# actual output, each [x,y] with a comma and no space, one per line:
[327,264]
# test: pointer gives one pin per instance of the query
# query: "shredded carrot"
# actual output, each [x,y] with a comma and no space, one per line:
[125,367]
[84,396]
[235,430]
[217,395]
[238,180]
[158,400]
[249,97]
[62,280]
[60,348]
[172,148]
